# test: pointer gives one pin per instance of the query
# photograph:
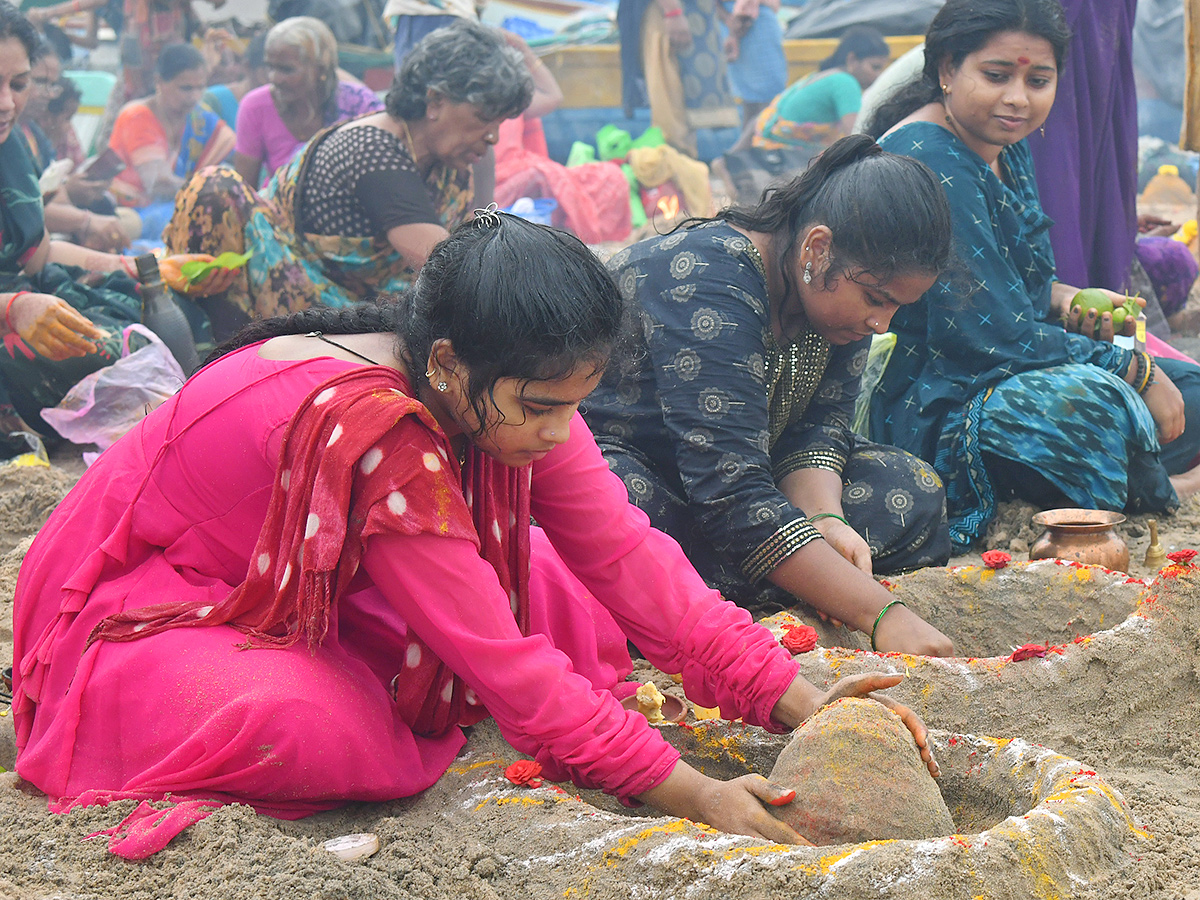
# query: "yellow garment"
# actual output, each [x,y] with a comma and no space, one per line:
[655,165]
[664,88]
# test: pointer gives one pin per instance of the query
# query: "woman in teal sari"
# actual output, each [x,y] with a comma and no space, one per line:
[55,328]
[356,213]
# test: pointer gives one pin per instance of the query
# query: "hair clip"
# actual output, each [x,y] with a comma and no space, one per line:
[488,217]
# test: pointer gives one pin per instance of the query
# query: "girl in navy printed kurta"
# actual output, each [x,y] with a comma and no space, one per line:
[734,432]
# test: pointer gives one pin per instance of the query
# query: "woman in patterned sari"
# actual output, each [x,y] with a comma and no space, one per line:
[734,433]
[357,212]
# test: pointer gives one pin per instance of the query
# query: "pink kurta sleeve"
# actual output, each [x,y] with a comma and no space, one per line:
[642,576]
[450,597]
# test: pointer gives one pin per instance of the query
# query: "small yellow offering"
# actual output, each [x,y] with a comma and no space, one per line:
[650,701]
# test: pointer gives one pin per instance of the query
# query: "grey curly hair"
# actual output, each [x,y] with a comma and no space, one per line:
[466,63]
[317,46]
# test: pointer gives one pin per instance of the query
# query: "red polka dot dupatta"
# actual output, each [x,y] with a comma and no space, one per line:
[361,457]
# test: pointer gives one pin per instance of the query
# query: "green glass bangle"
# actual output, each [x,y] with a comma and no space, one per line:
[819,516]
[886,607]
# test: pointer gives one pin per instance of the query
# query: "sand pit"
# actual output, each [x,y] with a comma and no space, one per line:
[1075,774]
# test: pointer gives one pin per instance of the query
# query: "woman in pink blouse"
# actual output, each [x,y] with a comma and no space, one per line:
[303,96]
[351,491]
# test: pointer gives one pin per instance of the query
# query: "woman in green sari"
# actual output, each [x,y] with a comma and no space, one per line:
[356,213]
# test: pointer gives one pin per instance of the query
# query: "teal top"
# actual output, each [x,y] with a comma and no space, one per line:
[821,97]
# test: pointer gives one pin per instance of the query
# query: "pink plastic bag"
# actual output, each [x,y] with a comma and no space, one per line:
[107,403]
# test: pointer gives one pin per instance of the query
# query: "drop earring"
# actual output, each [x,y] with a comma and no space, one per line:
[1043,130]
[807,276]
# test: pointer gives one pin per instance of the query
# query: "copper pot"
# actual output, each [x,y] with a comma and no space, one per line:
[1084,535]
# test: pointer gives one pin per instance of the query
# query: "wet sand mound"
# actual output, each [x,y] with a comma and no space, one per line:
[858,776]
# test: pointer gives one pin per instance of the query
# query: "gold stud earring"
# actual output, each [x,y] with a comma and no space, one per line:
[946,89]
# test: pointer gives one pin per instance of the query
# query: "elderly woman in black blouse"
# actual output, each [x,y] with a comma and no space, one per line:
[734,435]
[356,213]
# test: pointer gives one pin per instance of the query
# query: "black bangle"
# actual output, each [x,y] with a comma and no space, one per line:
[1139,371]
[1150,368]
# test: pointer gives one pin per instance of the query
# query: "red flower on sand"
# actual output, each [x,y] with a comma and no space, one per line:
[798,638]
[1029,651]
[524,771]
[1182,557]
[996,559]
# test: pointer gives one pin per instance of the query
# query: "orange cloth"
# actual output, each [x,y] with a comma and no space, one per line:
[139,138]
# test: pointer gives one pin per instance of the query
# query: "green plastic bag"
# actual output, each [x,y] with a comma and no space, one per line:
[613,143]
[651,137]
[637,212]
[581,154]
[878,357]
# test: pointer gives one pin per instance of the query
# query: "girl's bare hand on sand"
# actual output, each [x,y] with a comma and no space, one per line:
[846,541]
[735,807]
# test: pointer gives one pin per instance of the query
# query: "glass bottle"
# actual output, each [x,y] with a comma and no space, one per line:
[162,315]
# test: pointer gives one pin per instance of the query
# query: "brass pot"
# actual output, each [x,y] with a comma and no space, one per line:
[1083,535]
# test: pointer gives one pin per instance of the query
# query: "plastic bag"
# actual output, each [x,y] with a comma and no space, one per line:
[107,403]
[878,357]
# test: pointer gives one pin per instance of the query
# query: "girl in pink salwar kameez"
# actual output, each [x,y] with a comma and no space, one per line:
[295,582]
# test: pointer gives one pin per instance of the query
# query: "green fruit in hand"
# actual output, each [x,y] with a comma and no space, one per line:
[1094,298]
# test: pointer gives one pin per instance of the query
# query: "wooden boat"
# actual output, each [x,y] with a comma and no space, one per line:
[591,76]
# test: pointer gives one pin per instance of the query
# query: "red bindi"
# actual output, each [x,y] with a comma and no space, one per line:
[1023,60]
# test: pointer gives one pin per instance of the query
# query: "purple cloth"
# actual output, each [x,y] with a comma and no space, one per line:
[1172,270]
[1086,164]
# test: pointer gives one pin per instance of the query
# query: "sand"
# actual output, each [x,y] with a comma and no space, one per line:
[1076,774]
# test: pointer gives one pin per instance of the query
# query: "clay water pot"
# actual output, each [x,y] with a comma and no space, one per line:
[1083,535]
